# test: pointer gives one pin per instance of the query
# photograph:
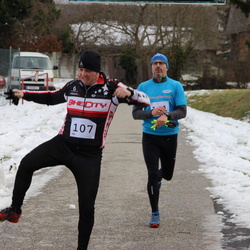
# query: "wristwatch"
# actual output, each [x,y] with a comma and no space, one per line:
[131,90]
[166,113]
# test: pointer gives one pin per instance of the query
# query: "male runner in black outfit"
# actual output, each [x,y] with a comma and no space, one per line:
[91,104]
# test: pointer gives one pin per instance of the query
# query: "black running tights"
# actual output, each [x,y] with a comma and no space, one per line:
[158,148]
[85,166]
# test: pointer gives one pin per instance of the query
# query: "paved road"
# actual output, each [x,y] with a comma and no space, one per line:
[188,219]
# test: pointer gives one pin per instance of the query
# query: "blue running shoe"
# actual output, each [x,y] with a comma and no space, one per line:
[155,220]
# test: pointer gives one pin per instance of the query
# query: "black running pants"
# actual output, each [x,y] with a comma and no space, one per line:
[84,164]
[158,149]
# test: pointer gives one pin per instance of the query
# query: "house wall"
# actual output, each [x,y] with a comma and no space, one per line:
[243,53]
[67,67]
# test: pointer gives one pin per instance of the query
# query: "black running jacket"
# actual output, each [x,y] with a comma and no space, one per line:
[90,109]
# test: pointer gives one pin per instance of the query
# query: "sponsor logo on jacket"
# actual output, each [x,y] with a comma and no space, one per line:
[88,104]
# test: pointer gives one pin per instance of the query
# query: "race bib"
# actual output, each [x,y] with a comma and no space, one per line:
[165,104]
[82,128]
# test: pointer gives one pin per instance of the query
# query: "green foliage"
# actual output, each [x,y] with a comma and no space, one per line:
[227,103]
[128,63]
[11,11]
[67,44]
[177,57]
[25,23]
[244,6]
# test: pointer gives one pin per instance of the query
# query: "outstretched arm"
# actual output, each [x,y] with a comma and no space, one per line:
[42,97]
[131,96]
[18,93]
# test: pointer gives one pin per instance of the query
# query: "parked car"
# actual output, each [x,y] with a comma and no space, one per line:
[31,71]
[2,82]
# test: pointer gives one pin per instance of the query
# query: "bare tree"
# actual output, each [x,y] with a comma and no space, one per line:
[176,30]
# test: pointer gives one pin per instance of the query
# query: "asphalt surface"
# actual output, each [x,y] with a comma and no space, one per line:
[188,219]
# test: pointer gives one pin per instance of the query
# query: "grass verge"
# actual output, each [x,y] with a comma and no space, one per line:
[233,103]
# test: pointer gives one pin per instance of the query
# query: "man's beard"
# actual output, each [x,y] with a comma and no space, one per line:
[158,75]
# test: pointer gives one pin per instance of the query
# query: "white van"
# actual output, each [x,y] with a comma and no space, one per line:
[31,71]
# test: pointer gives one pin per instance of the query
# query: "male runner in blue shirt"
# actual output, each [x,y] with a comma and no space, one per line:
[160,128]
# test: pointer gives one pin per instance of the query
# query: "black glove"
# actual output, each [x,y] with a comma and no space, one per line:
[113,83]
[11,96]
[113,80]
[171,124]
